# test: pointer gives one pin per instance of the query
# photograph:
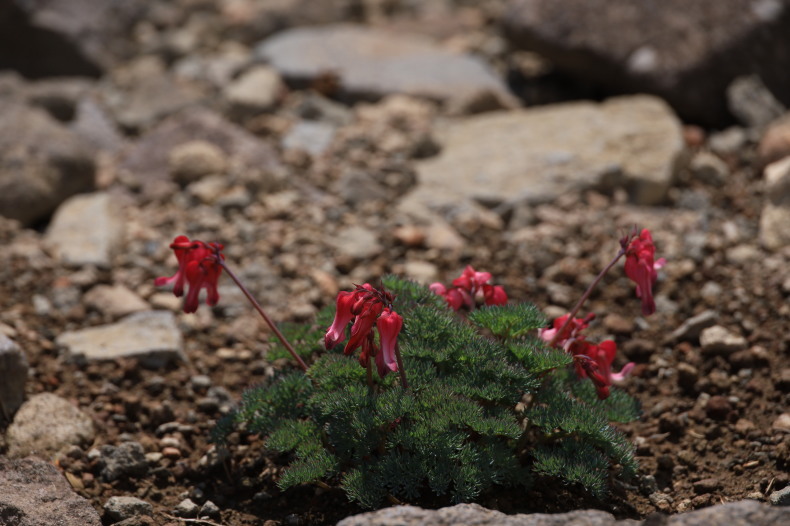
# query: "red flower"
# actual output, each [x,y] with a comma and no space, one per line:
[366,307]
[596,361]
[343,315]
[468,287]
[389,325]
[199,265]
[641,269]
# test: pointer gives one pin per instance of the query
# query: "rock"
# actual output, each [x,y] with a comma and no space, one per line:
[717,408]
[62,37]
[41,164]
[34,493]
[59,96]
[194,160]
[718,340]
[13,371]
[86,230]
[775,216]
[474,514]
[782,423]
[728,141]
[372,62]
[692,327]
[186,508]
[255,91]
[147,160]
[122,508]
[94,125]
[150,99]
[708,168]
[536,155]
[125,460]
[115,301]
[151,337]
[313,137]
[775,142]
[741,513]
[780,497]
[660,49]
[421,272]
[210,510]
[356,242]
[751,102]
[45,425]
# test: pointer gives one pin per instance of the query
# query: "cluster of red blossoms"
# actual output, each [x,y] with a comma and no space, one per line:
[366,306]
[469,287]
[595,360]
[589,359]
[199,266]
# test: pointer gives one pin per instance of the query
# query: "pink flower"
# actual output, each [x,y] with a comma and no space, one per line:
[641,269]
[389,325]
[199,265]
[468,287]
[366,307]
[573,330]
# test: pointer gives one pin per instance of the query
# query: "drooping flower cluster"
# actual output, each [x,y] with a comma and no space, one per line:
[199,267]
[367,306]
[641,269]
[589,359]
[470,287]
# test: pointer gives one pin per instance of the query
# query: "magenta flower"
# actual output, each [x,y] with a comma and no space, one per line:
[469,287]
[366,307]
[641,269]
[199,265]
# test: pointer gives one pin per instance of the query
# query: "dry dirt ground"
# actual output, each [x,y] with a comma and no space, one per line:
[706,435]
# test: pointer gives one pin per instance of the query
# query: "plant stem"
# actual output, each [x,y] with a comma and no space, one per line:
[403,381]
[584,297]
[263,314]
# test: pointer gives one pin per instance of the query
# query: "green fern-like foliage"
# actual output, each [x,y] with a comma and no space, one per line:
[460,429]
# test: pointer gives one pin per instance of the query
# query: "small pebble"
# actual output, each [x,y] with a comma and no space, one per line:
[210,510]
[186,508]
[171,452]
[780,497]
[718,407]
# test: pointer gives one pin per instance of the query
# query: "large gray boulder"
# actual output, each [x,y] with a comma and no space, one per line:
[65,37]
[33,493]
[685,52]
[371,63]
[41,163]
[742,513]
[536,155]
